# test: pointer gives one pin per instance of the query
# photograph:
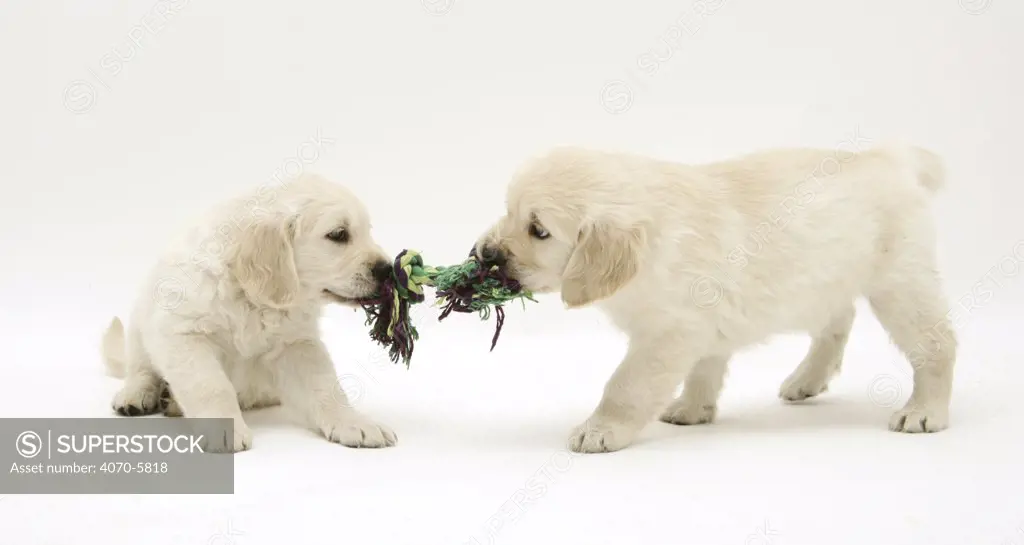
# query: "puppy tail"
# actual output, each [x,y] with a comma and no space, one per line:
[925,166]
[112,349]
[931,173]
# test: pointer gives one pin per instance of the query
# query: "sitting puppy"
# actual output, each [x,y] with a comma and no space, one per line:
[694,262]
[228,319]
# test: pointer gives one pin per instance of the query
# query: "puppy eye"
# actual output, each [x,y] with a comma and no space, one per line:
[338,235]
[538,232]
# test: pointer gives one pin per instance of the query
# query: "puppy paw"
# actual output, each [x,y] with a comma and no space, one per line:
[601,435]
[800,387]
[136,400]
[685,413]
[172,409]
[358,431]
[919,419]
[240,440]
[168,405]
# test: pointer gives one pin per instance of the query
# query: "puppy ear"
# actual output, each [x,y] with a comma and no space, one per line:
[605,259]
[264,263]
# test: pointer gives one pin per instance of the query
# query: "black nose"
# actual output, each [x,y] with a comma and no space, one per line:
[381,270]
[490,255]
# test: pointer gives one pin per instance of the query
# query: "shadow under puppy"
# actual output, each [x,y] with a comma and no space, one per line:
[695,262]
[228,318]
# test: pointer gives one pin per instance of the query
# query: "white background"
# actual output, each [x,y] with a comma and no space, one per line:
[425,109]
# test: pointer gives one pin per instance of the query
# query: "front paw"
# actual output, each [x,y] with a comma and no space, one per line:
[240,440]
[919,419]
[689,413]
[599,434]
[358,431]
[799,387]
[136,400]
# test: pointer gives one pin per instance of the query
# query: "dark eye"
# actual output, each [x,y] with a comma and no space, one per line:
[338,235]
[538,232]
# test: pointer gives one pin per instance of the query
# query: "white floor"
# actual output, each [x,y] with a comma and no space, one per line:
[480,453]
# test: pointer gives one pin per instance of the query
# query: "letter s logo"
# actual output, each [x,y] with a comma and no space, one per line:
[29,444]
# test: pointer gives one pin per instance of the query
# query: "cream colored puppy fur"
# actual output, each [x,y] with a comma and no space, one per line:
[228,318]
[694,262]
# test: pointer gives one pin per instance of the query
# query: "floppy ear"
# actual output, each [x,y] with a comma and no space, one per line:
[264,264]
[605,259]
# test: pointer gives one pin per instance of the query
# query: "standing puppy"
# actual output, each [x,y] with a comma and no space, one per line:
[228,318]
[694,262]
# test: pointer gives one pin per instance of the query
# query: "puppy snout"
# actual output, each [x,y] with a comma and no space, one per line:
[489,254]
[381,270]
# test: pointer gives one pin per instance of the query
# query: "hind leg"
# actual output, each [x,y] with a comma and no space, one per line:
[823,360]
[192,367]
[911,307]
[257,386]
[699,402]
[141,391]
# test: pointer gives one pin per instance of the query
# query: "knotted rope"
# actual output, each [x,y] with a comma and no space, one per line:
[464,288]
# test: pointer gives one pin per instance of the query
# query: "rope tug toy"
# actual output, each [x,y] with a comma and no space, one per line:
[467,287]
